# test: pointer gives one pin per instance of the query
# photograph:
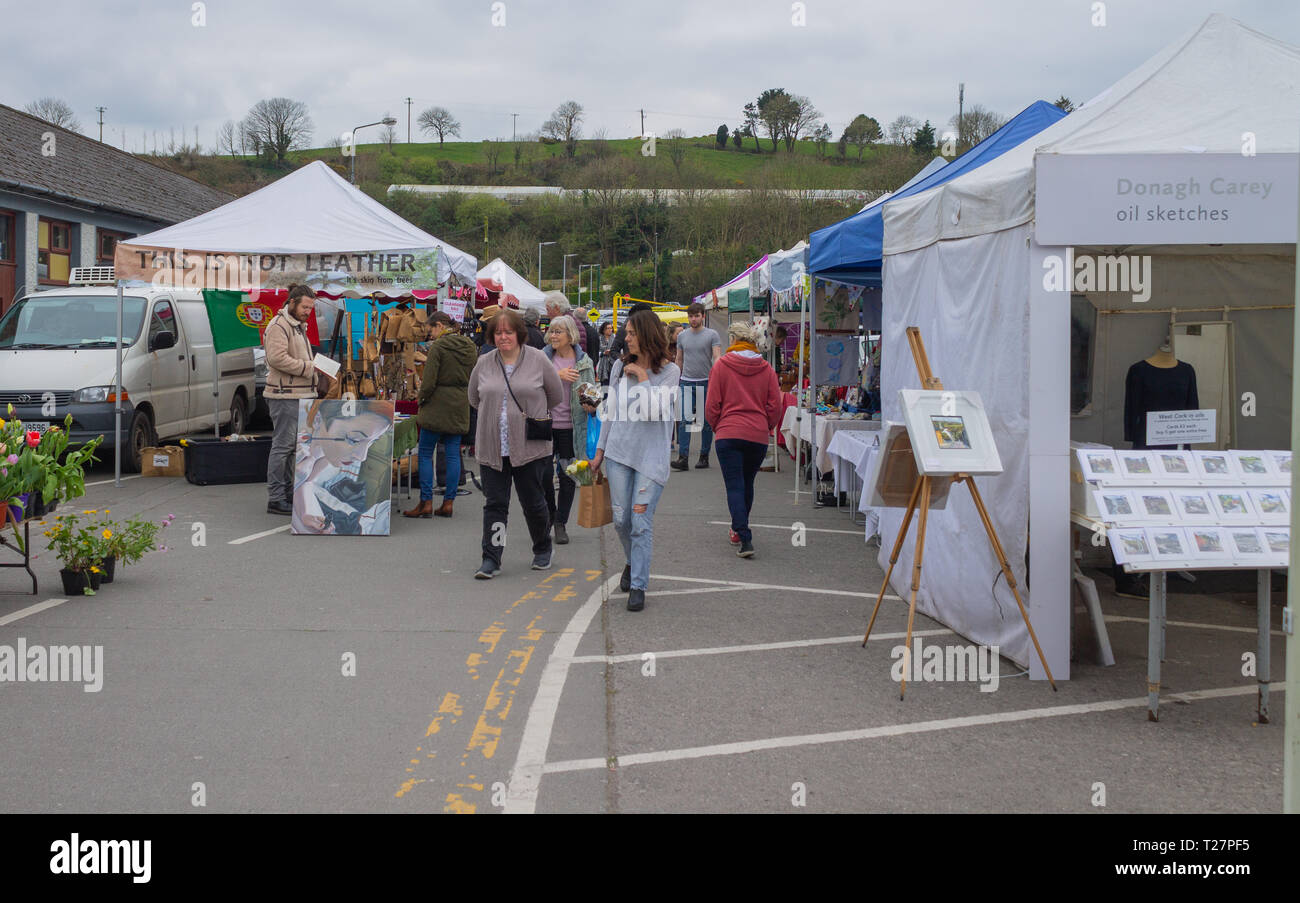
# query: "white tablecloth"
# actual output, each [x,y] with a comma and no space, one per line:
[851,453]
[826,430]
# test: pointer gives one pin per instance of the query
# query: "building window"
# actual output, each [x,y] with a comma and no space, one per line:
[107,244]
[54,252]
[7,250]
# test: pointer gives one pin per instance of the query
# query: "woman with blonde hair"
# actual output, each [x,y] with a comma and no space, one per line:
[744,406]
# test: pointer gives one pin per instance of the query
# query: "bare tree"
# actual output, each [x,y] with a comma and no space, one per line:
[676,141]
[389,133]
[903,129]
[279,125]
[1064,103]
[492,153]
[439,121]
[565,125]
[976,124]
[801,115]
[599,143]
[55,112]
[822,135]
[228,139]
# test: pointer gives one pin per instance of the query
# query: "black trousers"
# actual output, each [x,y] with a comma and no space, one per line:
[563,440]
[529,480]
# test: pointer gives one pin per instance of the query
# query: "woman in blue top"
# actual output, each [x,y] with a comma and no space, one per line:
[639,415]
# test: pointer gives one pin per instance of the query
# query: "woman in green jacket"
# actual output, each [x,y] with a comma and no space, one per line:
[569,420]
[444,410]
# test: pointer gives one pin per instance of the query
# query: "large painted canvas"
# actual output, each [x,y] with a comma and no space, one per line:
[343,467]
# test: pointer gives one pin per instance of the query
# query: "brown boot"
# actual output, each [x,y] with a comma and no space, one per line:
[424,509]
[444,510]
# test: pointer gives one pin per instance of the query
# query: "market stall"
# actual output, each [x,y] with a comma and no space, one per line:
[1105,235]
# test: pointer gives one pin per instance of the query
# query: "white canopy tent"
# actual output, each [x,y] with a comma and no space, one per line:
[1141,171]
[512,283]
[311,210]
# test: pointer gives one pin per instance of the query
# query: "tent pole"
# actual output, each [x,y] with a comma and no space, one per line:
[812,388]
[117,400]
[798,392]
[216,393]
[1291,706]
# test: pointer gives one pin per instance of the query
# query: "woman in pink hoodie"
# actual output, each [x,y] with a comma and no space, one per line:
[744,406]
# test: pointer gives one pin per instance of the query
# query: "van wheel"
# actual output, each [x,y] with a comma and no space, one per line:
[238,416]
[138,438]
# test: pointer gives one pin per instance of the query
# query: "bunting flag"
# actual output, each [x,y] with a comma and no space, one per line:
[238,320]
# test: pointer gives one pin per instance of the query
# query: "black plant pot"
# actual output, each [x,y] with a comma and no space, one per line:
[108,565]
[75,582]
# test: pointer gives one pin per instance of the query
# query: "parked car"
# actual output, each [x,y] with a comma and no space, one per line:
[58,357]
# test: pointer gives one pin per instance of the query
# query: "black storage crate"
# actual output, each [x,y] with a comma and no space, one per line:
[211,461]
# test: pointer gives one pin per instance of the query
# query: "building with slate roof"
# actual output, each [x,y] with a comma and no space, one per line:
[66,200]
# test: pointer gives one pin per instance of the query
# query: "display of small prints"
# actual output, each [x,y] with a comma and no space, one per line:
[1271,505]
[1279,541]
[1246,542]
[1194,506]
[1098,464]
[1281,463]
[1216,466]
[1176,465]
[1207,542]
[1232,504]
[1137,465]
[1168,542]
[1116,506]
[1156,504]
[1254,466]
[1130,545]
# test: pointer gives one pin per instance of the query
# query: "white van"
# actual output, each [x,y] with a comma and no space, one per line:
[58,357]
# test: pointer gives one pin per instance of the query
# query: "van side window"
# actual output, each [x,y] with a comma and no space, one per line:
[163,320]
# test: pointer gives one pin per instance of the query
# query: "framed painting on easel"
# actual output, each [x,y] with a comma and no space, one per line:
[950,433]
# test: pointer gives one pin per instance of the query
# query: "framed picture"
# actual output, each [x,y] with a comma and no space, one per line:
[1130,545]
[1246,542]
[1176,465]
[950,433]
[1117,506]
[1277,540]
[1232,504]
[1281,464]
[1099,464]
[1137,465]
[1169,543]
[1216,466]
[1272,505]
[1194,506]
[1208,544]
[1156,504]
[343,469]
[1254,466]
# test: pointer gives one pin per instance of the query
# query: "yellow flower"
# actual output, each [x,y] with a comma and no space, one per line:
[94,570]
[90,512]
[185,442]
[2,423]
[107,534]
[583,465]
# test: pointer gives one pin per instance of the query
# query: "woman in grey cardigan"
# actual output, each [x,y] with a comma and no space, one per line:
[569,429]
[508,384]
[638,418]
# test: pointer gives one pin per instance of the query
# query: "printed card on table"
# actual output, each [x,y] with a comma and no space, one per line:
[1117,506]
[1194,506]
[1246,542]
[1176,466]
[1168,543]
[1272,505]
[1099,464]
[1216,466]
[1130,545]
[1233,504]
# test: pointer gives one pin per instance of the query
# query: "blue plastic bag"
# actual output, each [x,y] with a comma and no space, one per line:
[593,435]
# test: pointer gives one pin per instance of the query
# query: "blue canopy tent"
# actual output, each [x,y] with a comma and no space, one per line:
[850,250]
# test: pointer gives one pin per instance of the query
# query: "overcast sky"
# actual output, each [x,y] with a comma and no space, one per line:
[690,65]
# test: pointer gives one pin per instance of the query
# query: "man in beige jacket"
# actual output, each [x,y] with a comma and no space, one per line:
[290,376]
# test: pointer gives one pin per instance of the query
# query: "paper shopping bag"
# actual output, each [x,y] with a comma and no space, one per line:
[594,509]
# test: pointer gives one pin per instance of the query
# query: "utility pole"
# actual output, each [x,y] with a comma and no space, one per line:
[655,295]
[643,123]
[961,98]
[408,120]
[101,123]
[514,121]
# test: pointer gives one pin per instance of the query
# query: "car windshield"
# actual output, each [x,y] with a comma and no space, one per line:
[70,321]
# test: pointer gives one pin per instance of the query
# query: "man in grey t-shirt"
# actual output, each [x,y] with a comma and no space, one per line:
[697,350]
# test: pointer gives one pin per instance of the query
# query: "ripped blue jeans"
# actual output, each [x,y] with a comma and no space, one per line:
[628,490]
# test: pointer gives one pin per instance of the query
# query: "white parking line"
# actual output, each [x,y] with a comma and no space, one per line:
[1251,630]
[792,589]
[893,730]
[104,482]
[243,539]
[30,610]
[787,528]
[753,647]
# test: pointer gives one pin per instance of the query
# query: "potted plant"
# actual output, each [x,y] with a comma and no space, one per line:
[80,547]
[33,479]
[128,543]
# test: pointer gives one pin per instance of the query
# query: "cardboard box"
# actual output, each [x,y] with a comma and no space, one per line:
[164,461]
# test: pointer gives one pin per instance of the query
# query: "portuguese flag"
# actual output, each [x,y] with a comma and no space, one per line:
[238,319]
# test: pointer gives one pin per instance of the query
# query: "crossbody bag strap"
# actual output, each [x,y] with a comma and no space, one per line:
[506,377]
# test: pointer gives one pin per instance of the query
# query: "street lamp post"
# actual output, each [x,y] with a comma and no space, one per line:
[387,120]
[564,274]
[539,259]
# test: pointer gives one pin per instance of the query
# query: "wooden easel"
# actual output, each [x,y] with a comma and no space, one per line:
[922,490]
